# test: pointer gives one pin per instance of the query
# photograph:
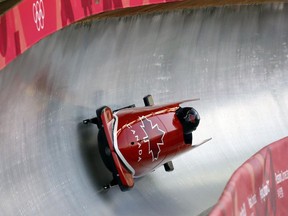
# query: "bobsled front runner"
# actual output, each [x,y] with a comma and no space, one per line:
[135,141]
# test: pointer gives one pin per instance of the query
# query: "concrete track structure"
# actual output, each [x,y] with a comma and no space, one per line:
[234,58]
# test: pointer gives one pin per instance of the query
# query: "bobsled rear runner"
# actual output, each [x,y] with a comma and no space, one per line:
[134,141]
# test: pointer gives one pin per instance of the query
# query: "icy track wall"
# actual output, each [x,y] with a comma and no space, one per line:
[32,20]
[238,70]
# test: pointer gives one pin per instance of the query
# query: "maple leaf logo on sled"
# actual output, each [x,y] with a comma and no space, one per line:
[153,136]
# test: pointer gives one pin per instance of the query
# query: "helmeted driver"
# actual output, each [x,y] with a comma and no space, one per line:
[189,119]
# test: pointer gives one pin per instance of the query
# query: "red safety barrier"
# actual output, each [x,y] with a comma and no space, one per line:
[259,186]
[32,20]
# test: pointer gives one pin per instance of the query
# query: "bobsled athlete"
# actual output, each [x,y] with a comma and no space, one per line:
[134,141]
[189,119]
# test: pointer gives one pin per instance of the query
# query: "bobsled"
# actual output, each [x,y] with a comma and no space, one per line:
[134,141]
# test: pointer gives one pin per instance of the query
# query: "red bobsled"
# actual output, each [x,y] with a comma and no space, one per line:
[135,141]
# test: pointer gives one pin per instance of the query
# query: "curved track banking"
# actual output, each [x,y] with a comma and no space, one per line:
[235,59]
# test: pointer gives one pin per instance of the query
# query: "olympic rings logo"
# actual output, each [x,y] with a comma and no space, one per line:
[39,14]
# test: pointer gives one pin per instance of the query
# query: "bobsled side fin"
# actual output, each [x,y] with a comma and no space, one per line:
[177,104]
[126,107]
[148,101]
[201,143]
[188,100]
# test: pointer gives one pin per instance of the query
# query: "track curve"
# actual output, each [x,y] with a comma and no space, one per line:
[235,59]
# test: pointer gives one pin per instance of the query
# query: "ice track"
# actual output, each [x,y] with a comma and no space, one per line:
[234,58]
